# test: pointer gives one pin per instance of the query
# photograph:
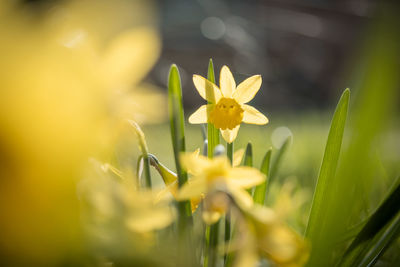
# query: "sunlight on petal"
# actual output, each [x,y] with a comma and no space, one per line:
[241,196]
[253,116]
[230,135]
[122,58]
[193,162]
[199,116]
[245,177]
[247,89]
[207,89]
[237,157]
[227,82]
[194,188]
[211,217]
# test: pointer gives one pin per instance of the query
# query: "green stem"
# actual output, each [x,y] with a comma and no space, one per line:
[212,132]
[145,152]
[213,247]
[229,151]
[210,257]
[229,154]
[146,169]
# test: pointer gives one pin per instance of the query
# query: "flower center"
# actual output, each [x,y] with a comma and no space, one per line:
[226,114]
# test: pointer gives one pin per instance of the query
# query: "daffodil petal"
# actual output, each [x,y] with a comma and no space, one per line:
[193,162]
[207,89]
[192,189]
[158,218]
[245,177]
[121,59]
[230,135]
[247,89]
[237,157]
[226,82]
[241,196]
[166,192]
[211,217]
[199,116]
[253,116]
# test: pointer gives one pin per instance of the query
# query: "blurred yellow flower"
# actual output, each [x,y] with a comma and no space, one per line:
[263,234]
[227,108]
[113,204]
[214,174]
[67,75]
[171,179]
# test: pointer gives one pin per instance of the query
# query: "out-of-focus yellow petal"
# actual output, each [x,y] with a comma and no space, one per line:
[192,189]
[245,177]
[241,196]
[253,116]
[207,89]
[171,189]
[199,116]
[247,256]
[227,82]
[247,89]
[230,135]
[130,56]
[237,157]
[156,218]
[211,217]
[139,104]
[193,162]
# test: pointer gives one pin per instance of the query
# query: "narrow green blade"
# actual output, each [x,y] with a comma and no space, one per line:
[248,161]
[381,229]
[327,172]
[277,161]
[248,155]
[261,190]
[177,124]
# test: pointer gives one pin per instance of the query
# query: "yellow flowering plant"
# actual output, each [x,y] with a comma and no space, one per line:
[214,187]
[228,108]
[210,174]
[71,194]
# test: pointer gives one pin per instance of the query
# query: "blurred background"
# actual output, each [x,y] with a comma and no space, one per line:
[302,49]
[307,52]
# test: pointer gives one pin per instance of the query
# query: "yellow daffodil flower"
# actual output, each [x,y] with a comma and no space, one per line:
[104,198]
[171,179]
[228,108]
[217,173]
[263,234]
[68,74]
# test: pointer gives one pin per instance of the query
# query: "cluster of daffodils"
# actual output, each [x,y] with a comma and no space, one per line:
[69,72]
[218,188]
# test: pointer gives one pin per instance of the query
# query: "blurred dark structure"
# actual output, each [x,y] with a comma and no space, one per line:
[302,48]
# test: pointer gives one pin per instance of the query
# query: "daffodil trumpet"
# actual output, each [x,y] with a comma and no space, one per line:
[227,107]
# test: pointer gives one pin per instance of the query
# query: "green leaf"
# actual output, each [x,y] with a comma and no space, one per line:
[261,190]
[380,230]
[279,156]
[327,172]
[212,132]
[248,160]
[177,124]
[277,161]
[248,155]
